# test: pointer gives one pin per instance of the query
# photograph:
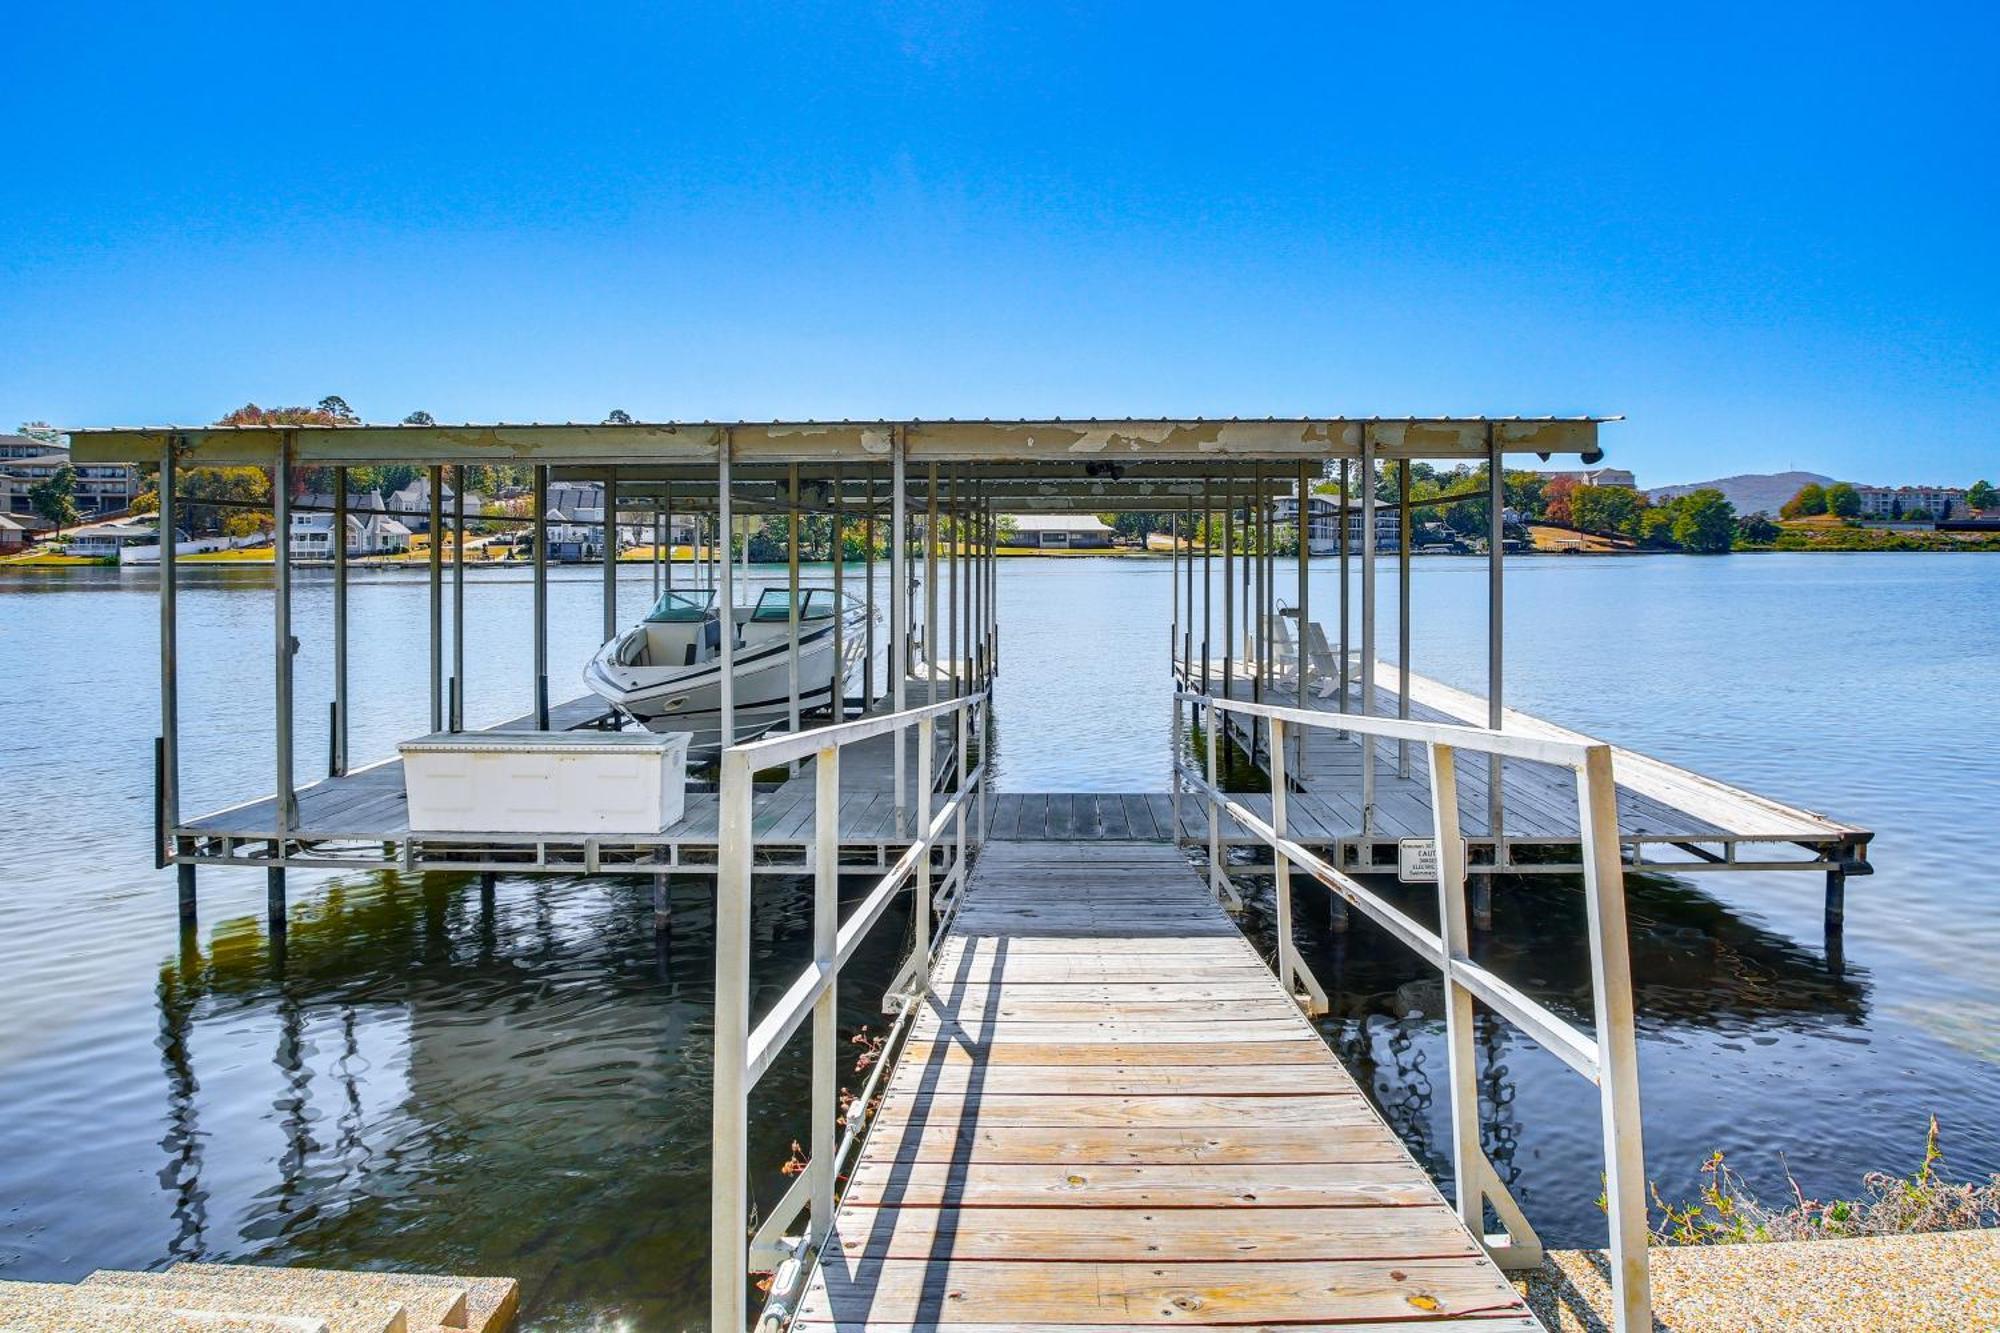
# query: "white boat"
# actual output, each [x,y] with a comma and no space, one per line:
[665,673]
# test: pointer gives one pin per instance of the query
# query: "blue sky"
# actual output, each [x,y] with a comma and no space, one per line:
[1765,234]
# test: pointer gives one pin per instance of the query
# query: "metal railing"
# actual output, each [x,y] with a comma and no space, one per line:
[1607,1057]
[744,1054]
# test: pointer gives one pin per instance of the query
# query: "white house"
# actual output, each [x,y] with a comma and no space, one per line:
[412,504]
[1911,502]
[1324,522]
[367,534]
[1059,532]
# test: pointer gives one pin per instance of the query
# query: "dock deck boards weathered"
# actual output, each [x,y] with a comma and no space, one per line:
[1110,1114]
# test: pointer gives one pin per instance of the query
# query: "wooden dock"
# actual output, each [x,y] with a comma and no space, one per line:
[1664,811]
[361,819]
[1109,1113]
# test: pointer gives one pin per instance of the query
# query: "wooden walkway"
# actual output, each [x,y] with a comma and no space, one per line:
[1110,1114]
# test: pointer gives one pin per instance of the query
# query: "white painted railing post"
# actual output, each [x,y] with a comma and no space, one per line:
[1214,809]
[961,724]
[1617,1043]
[1280,863]
[729,1203]
[921,909]
[985,767]
[826,929]
[1461,1069]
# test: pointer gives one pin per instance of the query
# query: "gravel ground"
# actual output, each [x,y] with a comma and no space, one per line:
[1881,1284]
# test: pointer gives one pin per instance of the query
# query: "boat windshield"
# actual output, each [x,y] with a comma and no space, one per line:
[680,608]
[775,605]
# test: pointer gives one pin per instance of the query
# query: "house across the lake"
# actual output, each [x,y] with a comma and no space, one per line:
[1048,532]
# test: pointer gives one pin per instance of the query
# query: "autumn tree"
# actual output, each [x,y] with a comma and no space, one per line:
[1809,501]
[1556,501]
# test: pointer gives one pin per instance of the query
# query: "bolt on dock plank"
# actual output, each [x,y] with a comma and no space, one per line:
[1110,1113]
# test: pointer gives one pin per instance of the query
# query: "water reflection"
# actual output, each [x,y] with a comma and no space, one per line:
[415,1072]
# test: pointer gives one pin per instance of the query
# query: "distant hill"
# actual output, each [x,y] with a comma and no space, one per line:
[1749,492]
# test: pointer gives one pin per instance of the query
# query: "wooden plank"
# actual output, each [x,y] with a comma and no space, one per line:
[1079,1186]
[1024,1007]
[1061,1112]
[1112,821]
[950,1292]
[1006,816]
[1112,1052]
[1062,815]
[1123,1081]
[1356,1136]
[1117,993]
[1167,1235]
[1139,817]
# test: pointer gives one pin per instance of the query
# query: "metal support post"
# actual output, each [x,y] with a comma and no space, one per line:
[1346,595]
[608,541]
[1403,610]
[1304,662]
[1367,626]
[435,480]
[837,551]
[337,736]
[541,627]
[825,1034]
[899,606]
[1207,577]
[1228,593]
[868,582]
[792,601]
[457,716]
[729,1189]
[931,583]
[921,908]
[726,533]
[1462,1072]
[1496,551]
[1617,1044]
[284,644]
[951,589]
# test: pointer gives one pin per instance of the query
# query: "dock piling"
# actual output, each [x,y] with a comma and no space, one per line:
[184,880]
[337,729]
[274,898]
[541,626]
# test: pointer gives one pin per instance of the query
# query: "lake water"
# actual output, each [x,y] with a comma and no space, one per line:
[416,1080]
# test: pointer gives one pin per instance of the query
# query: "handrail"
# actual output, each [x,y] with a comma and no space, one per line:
[743,1055]
[1608,1057]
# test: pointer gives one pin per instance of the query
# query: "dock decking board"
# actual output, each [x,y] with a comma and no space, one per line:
[1110,1114]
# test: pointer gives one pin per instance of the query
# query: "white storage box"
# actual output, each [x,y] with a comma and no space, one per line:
[575,782]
